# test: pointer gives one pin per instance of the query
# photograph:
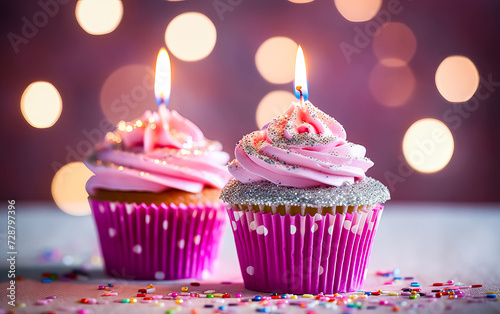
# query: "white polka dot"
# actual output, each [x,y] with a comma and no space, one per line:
[137,249]
[111,232]
[101,208]
[330,229]
[354,229]
[112,206]
[129,208]
[181,243]
[250,270]
[147,218]
[262,230]
[370,226]
[293,229]
[165,224]
[253,225]
[233,223]
[320,270]
[318,217]
[197,239]
[237,215]
[159,275]
[347,224]
[205,274]
[314,227]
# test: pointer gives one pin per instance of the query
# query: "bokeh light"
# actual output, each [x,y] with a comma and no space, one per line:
[272,105]
[301,1]
[275,59]
[392,86]
[41,104]
[127,93]
[395,44]
[99,17]
[457,78]
[358,10]
[68,189]
[428,145]
[191,36]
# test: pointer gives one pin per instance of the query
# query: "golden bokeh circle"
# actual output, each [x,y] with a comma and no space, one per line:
[41,104]
[428,145]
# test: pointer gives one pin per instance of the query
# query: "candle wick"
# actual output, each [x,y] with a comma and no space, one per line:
[299,88]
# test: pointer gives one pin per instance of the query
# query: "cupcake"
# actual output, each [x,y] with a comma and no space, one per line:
[155,198]
[303,212]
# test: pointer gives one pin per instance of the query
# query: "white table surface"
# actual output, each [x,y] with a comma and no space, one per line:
[433,242]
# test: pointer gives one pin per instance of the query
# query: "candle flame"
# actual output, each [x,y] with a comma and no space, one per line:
[163,78]
[300,83]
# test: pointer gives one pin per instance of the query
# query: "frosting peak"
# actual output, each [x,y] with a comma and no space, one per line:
[304,147]
[160,129]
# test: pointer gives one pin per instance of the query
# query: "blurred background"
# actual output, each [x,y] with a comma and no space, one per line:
[416,82]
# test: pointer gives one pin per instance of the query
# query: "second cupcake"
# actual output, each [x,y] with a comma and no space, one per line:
[155,195]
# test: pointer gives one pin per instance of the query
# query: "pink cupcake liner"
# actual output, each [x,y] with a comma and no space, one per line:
[163,242]
[304,254]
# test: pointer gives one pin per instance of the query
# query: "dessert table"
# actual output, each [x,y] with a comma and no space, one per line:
[417,245]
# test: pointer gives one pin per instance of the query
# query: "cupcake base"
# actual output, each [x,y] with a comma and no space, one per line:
[162,242]
[303,253]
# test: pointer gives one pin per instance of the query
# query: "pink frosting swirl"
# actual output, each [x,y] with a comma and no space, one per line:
[304,147]
[161,150]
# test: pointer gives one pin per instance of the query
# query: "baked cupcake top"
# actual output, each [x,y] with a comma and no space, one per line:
[160,151]
[304,156]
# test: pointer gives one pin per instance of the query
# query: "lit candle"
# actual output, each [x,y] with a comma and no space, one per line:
[163,78]
[301,88]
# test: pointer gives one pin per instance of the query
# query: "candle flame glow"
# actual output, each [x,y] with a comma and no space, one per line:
[300,85]
[163,78]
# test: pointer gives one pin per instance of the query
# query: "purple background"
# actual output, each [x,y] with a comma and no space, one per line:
[220,93]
